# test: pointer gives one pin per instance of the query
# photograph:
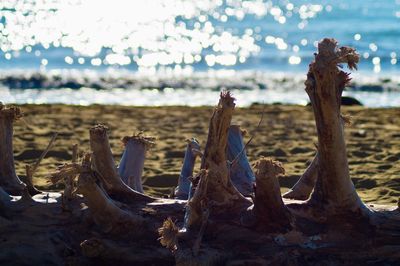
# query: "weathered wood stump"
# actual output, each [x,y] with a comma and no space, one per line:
[132,162]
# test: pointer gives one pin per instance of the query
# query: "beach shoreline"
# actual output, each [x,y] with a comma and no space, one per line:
[86,87]
[287,133]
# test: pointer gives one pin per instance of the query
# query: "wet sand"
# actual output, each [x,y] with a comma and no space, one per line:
[287,133]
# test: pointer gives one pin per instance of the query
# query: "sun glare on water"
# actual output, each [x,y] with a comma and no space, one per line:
[150,34]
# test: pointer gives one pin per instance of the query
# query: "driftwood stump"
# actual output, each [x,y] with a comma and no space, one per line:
[132,162]
[9,180]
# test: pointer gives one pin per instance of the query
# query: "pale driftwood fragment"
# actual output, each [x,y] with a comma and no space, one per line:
[240,171]
[104,165]
[334,191]
[8,177]
[305,185]
[132,162]
[184,184]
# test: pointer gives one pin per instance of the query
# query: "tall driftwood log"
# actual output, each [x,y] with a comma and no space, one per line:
[334,192]
[9,180]
[132,162]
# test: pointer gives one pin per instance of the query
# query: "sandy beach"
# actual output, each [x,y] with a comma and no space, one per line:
[287,133]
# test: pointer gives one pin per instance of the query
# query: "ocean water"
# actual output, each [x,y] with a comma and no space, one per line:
[181,52]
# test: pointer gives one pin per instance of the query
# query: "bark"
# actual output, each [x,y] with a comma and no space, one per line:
[334,191]
[8,177]
[305,185]
[104,165]
[132,162]
[240,171]
[184,184]
[215,149]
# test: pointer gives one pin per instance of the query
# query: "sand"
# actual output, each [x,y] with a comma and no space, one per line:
[287,133]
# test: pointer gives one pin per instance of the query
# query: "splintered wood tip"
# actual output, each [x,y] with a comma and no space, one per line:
[69,170]
[148,141]
[11,112]
[226,99]
[193,143]
[99,130]
[329,52]
[169,234]
[266,167]
[237,128]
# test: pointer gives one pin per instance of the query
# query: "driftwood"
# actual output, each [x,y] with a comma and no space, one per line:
[132,162]
[9,180]
[240,171]
[305,185]
[104,165]
[184,184]
[334,192]
[30,170]
[270,212]
[108,222]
